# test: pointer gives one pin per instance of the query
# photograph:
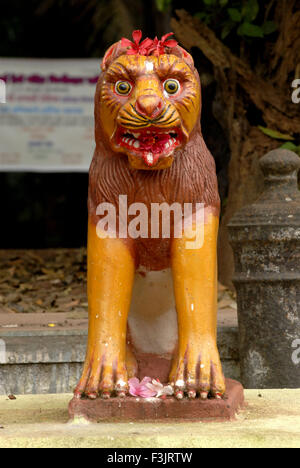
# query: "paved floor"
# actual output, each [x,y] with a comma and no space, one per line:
[271,419]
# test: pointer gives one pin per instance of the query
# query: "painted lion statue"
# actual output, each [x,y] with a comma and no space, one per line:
[150,153]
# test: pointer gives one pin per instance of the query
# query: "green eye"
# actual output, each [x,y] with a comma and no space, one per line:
[123,87]
[171,86]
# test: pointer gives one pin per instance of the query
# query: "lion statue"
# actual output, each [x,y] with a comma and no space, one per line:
[150,152]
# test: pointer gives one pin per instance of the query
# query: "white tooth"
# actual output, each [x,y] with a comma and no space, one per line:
[150,158]
[136,135]
[126,140]
[131,142]
[167,145]
[136,144]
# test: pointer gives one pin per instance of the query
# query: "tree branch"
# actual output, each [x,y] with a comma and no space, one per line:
[277,107]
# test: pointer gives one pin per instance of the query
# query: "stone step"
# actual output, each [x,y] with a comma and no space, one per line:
[44,353]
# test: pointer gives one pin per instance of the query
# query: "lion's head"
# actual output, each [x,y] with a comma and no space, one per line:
[149,104]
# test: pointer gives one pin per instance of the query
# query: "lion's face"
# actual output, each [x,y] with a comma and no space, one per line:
[148,107]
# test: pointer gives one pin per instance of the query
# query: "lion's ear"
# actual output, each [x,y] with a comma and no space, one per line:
[113,52]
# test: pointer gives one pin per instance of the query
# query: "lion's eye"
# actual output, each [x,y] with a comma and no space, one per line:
[171,86]
[123,87]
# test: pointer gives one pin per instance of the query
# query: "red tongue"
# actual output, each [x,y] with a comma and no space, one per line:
[150,159]
[152,147]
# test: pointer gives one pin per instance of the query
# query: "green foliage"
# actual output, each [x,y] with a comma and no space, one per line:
[241,17]
[292,147]
[289,145]
[274,134]
[163,5]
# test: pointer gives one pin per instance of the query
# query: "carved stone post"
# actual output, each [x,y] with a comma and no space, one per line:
[265,237]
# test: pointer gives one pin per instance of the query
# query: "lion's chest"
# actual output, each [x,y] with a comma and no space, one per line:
[152,319]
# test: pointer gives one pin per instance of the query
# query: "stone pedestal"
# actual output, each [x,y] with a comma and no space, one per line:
[265,237]
[157,409]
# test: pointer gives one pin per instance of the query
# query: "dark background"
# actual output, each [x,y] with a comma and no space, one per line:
[50,210]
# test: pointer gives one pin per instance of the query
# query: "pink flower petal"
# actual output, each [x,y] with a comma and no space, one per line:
[170,43]
[137,36]
[166,36]
[146,42]
[148,388]
[145,380]
[157,384]
[134,385]
[126,42]
[145,47]
[154,388]
[134,381]
[145,392]
[137,388]
[160,389]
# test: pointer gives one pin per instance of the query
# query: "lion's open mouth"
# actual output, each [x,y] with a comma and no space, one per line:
[150,144]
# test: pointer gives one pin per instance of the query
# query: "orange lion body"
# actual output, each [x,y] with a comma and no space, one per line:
[149,148]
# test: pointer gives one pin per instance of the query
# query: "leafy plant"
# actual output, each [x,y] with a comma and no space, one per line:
[241,16]
[289,140]
[163,5]
[292,147]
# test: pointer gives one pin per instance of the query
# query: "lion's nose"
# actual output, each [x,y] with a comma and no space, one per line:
[149,105]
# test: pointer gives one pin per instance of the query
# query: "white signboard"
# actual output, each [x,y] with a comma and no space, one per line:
[47,114]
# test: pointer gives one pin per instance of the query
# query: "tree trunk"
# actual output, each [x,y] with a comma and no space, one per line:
[249,98]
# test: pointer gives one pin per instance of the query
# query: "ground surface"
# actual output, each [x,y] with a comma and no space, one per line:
[271,419]
[35,281]
[42,289]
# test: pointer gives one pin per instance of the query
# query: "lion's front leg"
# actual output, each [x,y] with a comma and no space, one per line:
[110,280]
[197,368]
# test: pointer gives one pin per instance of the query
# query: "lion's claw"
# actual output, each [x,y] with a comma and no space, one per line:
[196,371]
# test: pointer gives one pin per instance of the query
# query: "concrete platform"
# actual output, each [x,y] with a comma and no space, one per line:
[271,419]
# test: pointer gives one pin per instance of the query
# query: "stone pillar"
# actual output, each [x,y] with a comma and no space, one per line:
[265,237]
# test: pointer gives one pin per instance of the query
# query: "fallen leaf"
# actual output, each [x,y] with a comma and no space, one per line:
[276,135]
[227,302]
[42,281]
